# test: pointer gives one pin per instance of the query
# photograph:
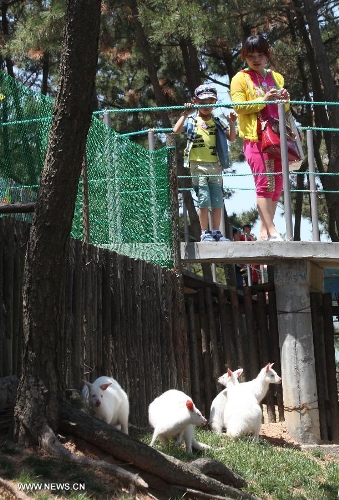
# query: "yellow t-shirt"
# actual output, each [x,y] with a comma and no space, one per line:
[204,147]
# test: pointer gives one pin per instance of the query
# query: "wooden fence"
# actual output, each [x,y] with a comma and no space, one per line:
[153,329]
[231,329]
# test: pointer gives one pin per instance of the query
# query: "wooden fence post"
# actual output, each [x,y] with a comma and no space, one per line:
[331,367]
[319,355]
[85,202]
[252,336]
[275,349]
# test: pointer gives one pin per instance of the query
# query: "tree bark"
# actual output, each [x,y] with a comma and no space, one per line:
[191,63]
[145,458]
[330,94]
[149,60]
[41,386]
[45,72]
[6,31]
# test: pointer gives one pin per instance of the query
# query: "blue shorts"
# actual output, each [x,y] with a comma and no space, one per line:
[207,183]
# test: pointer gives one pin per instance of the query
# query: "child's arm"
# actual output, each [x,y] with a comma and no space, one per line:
[231,134]
[179,126]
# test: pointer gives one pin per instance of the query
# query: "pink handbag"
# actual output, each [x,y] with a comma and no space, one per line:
[270,140]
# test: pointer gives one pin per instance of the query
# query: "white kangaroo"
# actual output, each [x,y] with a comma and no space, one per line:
[174,415]
[218,404]
[109,401]
[242,413]
[258,386]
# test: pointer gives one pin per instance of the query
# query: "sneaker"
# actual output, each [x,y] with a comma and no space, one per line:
[275,237]
[218,236]
[207,236]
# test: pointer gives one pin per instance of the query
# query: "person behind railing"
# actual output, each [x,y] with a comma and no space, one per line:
[237,268]
[247,235]
[206,154]
[255,85]
[242,271]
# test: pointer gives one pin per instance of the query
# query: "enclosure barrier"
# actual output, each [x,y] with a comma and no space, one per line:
[124,195]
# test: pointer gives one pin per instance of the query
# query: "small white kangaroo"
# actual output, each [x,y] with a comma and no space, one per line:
[259,385]
[109,401]
[174,415]
[242,413]
[218,404]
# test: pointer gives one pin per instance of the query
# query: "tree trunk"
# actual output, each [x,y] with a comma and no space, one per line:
[45,72]
[6,32]
[40,390]
[191,63]
[329,91]
[149,60]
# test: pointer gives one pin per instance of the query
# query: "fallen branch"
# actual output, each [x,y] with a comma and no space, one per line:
[219,471]
[52,445]
[17,208]
[142,456]
[8,492]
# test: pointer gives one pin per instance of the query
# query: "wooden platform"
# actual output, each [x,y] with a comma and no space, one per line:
[323,254]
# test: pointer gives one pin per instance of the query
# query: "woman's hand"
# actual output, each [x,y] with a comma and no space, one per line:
[277,95]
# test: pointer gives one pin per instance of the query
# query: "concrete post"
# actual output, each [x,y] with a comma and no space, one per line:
[297,351]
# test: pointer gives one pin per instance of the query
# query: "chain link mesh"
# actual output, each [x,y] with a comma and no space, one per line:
[128,185]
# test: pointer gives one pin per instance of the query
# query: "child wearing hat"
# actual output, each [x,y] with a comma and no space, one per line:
[206,154]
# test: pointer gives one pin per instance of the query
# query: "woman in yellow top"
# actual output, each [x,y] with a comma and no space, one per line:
[256,84]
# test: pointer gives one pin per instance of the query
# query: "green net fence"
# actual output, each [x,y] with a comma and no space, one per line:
[128,185]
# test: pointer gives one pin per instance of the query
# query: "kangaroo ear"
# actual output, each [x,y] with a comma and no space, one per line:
[103,387]
[229,372]
[189,405]
[87,383]
[238,372]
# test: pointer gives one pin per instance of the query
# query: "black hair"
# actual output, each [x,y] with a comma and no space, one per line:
[255,43]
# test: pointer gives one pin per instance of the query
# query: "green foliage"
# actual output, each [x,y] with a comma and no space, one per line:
[175,46]
[246,217]
[34,40]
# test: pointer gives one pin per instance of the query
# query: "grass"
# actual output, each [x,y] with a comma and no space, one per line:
[272,472]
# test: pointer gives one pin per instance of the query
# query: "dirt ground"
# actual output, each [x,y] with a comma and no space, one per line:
[276,433]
